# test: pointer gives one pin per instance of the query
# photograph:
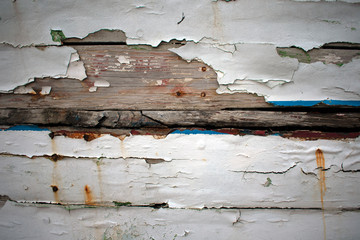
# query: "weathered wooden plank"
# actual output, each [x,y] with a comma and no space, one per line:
[140,78]
[259,119]
[66,117]
[213,119]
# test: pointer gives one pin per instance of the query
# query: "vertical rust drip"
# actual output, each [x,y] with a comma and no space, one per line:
[320,162]
[98,164]
[88,196]
[54,184]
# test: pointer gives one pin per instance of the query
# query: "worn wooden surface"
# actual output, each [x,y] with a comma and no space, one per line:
[165,119]
[153,87]
[153,79]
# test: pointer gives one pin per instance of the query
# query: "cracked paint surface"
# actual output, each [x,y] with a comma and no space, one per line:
[20,66]
[242,53]
[152,170]
[140,223]
[283,23]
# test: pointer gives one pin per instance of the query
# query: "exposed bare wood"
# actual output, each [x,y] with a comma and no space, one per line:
[139,80]
[327,56]
[109,119]
[165,119]
[142,78]
[243,119]
[104,35]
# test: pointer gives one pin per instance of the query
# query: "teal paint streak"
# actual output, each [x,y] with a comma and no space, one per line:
[26,128]
[312,103]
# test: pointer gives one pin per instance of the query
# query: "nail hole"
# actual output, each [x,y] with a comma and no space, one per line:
[203,94]
[54,188]
[178,93]
[203,69]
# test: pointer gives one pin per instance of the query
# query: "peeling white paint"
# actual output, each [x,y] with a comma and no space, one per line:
[92,89]
[20,66]
[282,23]
[241,152]
[123,59]
[181,183]
[142,223]
[24,90]
[315,81]
[254,62]
[193,167]
[76,68]
[45,90]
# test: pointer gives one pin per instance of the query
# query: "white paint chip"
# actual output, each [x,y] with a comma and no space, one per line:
[45,90]
[123,59]
[92,89]
[24,90]
[101,83]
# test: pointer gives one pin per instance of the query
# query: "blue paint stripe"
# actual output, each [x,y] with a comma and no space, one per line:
[209,132]
[312,103]
[26,128]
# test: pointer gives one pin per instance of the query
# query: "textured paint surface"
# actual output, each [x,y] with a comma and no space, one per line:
[242,53]
[20,66]
[54,222]
[311,82]
[283,23]
[101,186]
[144,170]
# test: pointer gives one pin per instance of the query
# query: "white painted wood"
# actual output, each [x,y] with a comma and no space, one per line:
[18,221]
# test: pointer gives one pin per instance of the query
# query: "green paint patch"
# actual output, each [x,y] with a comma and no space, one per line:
[339,64]
[295,52]
[268,182]
[121,204]
[74,207]
[353,29]
[57,35]
[331,21]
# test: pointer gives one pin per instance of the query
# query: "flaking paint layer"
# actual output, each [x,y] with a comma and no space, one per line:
[20,66]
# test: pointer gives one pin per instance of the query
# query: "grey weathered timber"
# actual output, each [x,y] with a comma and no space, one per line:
[168,119]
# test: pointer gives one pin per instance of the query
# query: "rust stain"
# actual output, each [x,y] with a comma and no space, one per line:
[88,196]
[98,165]
[54,185]
[314,135]
[320,162]
[203,94]
[55,157]
[122,147]
[53,146]
[122,137]
[87,136]
[159,136]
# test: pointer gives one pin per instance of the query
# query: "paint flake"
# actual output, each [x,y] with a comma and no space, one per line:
[20,66]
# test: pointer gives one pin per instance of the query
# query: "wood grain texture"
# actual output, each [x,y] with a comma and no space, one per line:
[152,80]
[171,119]
[146,78]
